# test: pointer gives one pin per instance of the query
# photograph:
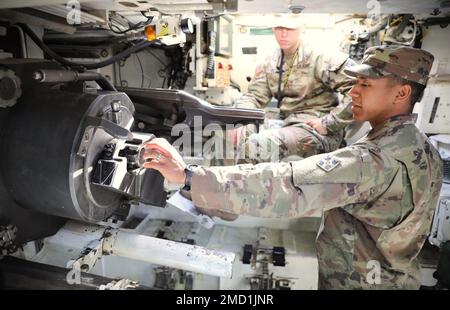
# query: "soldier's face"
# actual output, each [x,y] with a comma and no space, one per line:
[372,99]
[288,39]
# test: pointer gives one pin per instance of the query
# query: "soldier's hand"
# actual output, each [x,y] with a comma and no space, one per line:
[316,124]
[162,156]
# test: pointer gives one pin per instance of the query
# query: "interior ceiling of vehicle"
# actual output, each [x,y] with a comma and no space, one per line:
[252,6]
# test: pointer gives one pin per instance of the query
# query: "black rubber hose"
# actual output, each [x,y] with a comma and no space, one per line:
[442,21]
[66,62]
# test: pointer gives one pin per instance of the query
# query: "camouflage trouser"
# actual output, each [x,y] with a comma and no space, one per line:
[273,145]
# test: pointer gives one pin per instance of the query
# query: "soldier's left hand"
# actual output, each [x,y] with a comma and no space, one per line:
[316,124]
[162,156]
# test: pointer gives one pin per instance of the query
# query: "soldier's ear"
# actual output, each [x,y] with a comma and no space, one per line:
[403,94]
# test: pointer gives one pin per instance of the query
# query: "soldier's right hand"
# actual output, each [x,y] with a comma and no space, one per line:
[317,125]
[162,156]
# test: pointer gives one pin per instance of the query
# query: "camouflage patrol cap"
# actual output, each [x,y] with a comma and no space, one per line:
[290,21]
[409,63]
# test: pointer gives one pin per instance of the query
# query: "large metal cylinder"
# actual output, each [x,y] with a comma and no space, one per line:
[41,164]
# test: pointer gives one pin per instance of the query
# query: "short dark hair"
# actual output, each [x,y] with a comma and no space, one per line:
[416,88]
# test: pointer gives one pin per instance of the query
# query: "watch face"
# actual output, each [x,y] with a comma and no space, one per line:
[190,26]
[187,26]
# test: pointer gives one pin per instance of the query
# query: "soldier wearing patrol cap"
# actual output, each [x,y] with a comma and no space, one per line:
[377,196]
[305,83]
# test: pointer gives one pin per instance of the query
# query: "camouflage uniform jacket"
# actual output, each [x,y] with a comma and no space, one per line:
[310,86]
[377,198]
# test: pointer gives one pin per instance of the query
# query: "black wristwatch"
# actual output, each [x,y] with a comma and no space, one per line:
[188,180]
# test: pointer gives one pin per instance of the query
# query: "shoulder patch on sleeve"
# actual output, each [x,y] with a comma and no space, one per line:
[328,163]
[342,166]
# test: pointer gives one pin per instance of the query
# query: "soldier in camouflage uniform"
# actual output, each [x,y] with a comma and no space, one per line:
[377,195]
[305,89]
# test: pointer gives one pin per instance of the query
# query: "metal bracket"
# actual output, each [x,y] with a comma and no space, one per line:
[110,127]
[92,253]
[84,144]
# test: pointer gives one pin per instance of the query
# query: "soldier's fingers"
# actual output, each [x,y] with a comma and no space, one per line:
[151,146]
[161,142]
[153,165]
[155,157]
